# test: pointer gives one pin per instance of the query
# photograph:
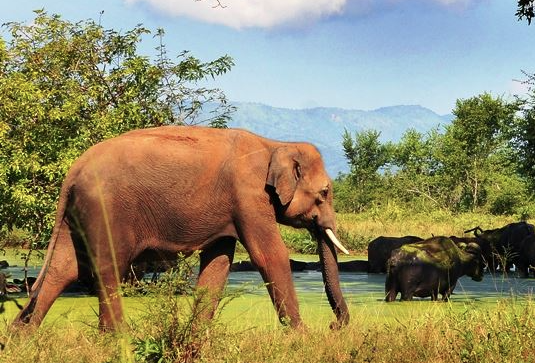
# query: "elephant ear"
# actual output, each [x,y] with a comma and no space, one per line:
[284,172]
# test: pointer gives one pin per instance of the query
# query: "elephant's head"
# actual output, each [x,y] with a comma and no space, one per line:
[303,198]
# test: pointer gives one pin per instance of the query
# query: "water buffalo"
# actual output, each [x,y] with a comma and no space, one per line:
[431,267]
[379,251]
[505,244]
[525,260]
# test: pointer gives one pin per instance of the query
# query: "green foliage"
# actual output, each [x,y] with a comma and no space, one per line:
[471,165]
[351,240]
[298,240]
[523,134]
[525,10]
[66,86]
[178,280]
[174,328]
[367,157]
[474,146]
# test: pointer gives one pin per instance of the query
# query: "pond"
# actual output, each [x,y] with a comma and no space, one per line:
[361,284]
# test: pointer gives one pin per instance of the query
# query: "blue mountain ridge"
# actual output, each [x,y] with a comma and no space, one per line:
[324,126]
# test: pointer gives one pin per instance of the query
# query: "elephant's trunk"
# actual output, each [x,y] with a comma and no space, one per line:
[331,279]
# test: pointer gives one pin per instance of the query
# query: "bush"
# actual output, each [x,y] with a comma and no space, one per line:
[16,238]
[353,241]
[174,327]
[178,280]
[66,86]
[299,241]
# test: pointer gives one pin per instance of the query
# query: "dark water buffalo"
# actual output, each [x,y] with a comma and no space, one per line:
[487,251]
[431,267]
[379,250]
[503,247]
[298,266]
[243,266]
[353,266]
[525,259]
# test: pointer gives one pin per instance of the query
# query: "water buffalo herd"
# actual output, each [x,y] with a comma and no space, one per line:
[423,268]
[417,267]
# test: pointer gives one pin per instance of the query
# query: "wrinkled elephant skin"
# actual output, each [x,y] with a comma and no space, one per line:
[156,192]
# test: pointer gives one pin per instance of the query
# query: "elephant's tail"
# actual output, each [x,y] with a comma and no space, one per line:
[63,202]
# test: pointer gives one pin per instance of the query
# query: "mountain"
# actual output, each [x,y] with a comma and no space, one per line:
[324,126]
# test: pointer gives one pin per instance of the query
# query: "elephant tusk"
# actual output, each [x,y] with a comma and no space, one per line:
[335,240]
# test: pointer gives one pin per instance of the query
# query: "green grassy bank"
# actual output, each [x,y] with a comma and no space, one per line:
[248,331]
[492,329]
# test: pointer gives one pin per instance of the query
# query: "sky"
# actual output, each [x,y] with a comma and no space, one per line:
[352,54]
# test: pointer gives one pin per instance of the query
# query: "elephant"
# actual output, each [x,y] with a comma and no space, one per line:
[149,194]
[505,244]
[379,250]
[431,267]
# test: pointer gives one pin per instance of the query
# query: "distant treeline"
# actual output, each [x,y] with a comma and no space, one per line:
[483,161]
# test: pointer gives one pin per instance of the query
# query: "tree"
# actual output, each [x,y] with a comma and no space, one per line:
[66,86]
[523,135]
[416,167]
[366,157]
[474,146]
[525,10]
[413,153]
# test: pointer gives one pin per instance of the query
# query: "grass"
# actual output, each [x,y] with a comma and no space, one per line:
[17,256]
[463,330]
[420,331]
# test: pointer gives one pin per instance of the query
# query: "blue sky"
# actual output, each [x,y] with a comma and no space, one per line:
[354,54]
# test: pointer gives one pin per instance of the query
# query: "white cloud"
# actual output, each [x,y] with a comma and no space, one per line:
[271,13]
[249,13]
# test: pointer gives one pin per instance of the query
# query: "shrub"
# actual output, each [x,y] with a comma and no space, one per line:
[174,327]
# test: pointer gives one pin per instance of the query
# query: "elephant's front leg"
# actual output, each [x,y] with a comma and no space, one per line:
[213,273]
[269,254]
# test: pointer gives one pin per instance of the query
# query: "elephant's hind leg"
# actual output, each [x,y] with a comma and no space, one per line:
[213,273]
[59,271]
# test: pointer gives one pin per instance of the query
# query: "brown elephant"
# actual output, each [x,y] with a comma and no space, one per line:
[151,193]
